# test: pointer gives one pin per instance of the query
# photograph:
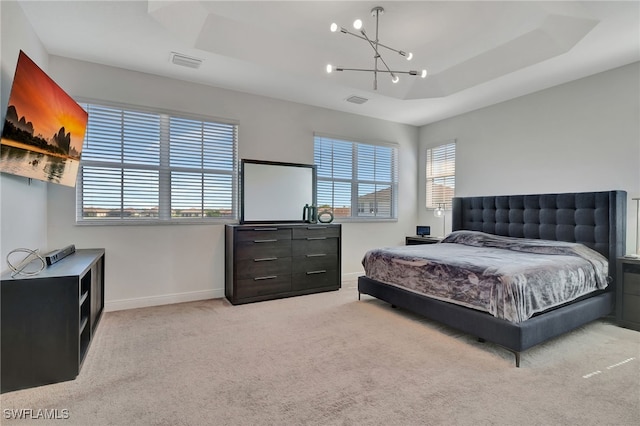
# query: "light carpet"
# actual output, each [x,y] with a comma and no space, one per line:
[329,359]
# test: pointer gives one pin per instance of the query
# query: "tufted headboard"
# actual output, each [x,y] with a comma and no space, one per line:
[595,219]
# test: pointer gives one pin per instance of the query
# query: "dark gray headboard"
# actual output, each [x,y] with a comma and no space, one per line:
[595,219]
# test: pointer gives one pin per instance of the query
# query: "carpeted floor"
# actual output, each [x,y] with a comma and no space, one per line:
[329,359]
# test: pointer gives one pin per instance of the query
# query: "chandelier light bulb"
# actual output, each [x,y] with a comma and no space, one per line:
[395,79]
[357,24]
[423,74]
[329,68]
[409,56]
[334,27]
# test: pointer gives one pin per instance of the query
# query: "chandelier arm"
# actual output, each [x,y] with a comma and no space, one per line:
[371,43]
[399,52]
[374,70]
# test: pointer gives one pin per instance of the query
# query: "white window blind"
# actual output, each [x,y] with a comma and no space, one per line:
[441,175]
[145,166]
[356,180]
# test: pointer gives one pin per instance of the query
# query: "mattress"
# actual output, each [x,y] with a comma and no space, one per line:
[510,278]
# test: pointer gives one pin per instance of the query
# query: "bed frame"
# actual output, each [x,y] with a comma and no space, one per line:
[595,219]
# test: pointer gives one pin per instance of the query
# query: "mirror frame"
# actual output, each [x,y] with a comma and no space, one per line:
[280,165]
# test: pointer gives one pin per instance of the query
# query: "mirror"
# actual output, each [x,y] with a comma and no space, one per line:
[275,192]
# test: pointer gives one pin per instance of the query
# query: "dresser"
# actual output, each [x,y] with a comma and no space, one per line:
[271,261]
[628,291]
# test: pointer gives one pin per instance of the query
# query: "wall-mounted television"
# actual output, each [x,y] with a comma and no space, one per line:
[274,191]
[43,130]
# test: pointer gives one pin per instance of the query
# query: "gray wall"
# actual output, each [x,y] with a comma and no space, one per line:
[23,205]
[579,136]
[162,264]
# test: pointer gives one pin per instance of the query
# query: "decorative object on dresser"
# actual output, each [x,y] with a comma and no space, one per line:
[48,321]
[628,301]
[272,260]
[594,220]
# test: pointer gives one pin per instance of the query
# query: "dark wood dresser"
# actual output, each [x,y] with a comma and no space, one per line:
[271,261]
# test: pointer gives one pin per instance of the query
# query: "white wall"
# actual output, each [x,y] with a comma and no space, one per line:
[162,264]
[23,206]
[579,136]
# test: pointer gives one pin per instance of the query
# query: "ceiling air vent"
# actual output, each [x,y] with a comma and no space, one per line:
[185,61]
[356,99]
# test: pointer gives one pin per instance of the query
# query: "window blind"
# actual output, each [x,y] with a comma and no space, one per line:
[141,166]
[356,180]
[441,175]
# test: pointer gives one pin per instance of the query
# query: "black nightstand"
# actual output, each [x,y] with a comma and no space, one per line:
[412,241]
[628,293]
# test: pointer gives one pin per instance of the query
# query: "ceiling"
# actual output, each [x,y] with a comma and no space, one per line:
[477,53]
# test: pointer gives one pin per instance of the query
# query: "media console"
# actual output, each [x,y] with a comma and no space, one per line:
[49,320]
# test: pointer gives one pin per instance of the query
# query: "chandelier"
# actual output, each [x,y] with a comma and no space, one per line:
[377,56]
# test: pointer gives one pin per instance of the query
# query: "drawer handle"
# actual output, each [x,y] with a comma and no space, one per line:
[268,277]
[316,238]
[316,255]
[265,241]
[265,229]
[316,227]
[322,271]
[265,259]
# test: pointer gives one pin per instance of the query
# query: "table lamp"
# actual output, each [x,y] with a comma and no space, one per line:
[439,212]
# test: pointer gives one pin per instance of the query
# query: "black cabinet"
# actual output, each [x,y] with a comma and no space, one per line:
[49,319]
[628,292]
[273,261]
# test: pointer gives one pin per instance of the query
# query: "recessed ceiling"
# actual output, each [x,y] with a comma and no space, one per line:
[477,53]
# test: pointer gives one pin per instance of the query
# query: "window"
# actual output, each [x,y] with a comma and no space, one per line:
[146,166]
[441,175]
[356,180]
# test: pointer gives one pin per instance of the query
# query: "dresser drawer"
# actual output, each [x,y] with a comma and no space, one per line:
[262,234]
[315,232]
[314,263]
[263,287]
[632,283]
[324,246]
[263,248]
[303,281]
[263,267]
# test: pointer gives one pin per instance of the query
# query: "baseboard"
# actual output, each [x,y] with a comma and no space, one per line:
[167,299]
[351,276]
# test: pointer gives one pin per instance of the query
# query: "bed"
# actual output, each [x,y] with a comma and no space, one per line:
[596,221]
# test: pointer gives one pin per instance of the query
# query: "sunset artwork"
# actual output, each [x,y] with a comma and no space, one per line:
[43,130]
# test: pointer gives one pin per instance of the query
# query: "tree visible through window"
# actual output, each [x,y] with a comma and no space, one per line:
[356,180]
[151,166]
[441,175]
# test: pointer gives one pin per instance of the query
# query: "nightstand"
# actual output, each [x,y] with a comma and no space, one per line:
[628,293]
[412,241]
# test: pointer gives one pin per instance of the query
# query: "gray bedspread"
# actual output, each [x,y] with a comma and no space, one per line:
[511,278]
